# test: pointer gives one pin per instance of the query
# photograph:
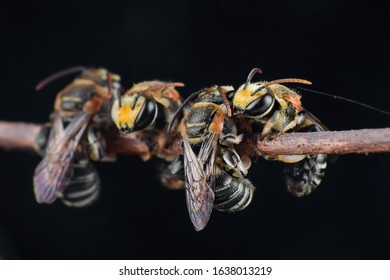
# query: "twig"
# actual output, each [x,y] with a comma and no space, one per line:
[21,136]
[14,135]
[328,142]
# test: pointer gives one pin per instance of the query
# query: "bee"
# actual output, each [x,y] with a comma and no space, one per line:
[213,171]
[75,138]
[145,110]
[278,110]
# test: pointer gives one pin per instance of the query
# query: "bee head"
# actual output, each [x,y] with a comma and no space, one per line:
[133,112]
[253,100]
[256,100]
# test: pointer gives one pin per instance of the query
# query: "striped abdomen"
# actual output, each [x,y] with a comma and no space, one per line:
[83,188]
[231,193]
[305,176]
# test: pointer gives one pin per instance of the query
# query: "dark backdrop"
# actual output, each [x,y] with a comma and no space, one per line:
[341,46]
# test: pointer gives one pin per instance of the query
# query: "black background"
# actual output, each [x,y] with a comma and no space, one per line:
[342,47]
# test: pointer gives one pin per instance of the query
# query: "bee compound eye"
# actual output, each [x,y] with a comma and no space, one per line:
[230,95]
[260,106]
[146,115]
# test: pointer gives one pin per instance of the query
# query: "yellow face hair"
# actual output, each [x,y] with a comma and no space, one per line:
[125,115]
[244,95]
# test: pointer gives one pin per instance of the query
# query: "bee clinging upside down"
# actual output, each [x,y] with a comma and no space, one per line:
[145,110]
[214,172]
[278,109]
[80,113]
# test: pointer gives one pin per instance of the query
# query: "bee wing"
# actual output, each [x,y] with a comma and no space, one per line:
[313,119]
[52,173]
[200,180]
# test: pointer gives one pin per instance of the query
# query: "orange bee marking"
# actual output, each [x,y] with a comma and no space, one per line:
[294,100]
[216,125]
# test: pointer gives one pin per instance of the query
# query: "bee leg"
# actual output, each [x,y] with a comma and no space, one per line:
[177,166]
[233,160]
[172,174]
[230,139]
[96,146]
[280,123]
[305,176]
[42,139]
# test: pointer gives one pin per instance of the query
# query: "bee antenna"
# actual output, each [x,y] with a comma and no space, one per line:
[42,84]
[185,102]
[109,84]
[225,101]
[282,81]
[253,72]
[288,80]
[347,99]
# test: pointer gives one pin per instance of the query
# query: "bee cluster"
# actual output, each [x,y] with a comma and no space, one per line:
[211,124]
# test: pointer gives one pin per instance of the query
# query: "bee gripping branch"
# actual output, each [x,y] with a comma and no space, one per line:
[22,136]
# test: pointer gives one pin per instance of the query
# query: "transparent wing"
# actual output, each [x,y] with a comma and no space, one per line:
[200,180]
[310,118]
[52,173]
[313,120]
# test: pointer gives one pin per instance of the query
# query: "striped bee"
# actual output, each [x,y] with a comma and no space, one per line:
[145,110]
[75,138]
[213,171]
[146,105]
[278,110]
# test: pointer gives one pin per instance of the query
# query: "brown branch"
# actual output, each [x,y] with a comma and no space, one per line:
[328,142]
[15,135]
[21,136]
